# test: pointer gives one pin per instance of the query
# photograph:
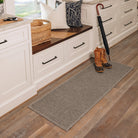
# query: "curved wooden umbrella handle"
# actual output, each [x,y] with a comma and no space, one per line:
[99,4]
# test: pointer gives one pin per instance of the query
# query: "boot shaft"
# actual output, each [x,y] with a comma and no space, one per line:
[103,55]
[97,54]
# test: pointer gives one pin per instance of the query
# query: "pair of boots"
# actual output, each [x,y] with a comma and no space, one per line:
[100,60]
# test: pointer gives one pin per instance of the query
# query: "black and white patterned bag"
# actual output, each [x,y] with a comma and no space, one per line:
[73,13]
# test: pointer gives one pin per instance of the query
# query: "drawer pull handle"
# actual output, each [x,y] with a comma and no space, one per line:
[107,20]
[5,41]
[75,47]
[49,60]
[108,7]
[109,33]
[128,11]
[128,23]
[126,0]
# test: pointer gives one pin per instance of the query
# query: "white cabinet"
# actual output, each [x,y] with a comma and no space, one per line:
[110,30]
[13,71]
[89,14]
[126,23]
[46,61]
[76,47]
[16,80]
[12,38]
[127,15]
[108,14]
[51,63]
[119,20]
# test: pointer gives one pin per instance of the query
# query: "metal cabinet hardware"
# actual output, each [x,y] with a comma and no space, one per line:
[108,6]
[128,11]
[126,0]
[128,23]
[107,20]
[109,34]
[5,41]
[49,60]
[75,47]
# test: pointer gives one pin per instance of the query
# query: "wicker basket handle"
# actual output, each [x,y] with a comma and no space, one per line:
[42,20]
[39,22]
[45,21]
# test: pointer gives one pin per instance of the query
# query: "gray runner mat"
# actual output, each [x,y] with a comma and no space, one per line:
[65,105]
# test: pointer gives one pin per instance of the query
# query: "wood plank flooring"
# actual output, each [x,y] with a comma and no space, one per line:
[115,116]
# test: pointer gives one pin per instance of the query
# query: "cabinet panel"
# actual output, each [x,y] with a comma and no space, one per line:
[110,30]
[119,16]
[9,39]
[14,72]
[126,23]
[77,46]
[127,2]
[48,61]
[127,9]
[16,77]
[89,14]
[107,14]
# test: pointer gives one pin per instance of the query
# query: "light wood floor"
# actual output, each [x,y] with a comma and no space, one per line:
[115,116]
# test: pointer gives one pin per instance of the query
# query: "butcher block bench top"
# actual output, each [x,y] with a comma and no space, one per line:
[58,36]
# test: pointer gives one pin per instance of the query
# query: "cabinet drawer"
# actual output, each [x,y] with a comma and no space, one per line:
[127,22]
[127,2]
[48,61]
[8,39]
[107,16]
[77,46]
[107,6]
[110,30]
[107,13]
[127,9]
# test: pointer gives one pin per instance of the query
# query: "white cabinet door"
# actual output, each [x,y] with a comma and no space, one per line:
[14,72]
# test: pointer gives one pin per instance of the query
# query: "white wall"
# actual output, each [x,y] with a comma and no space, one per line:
[9,7]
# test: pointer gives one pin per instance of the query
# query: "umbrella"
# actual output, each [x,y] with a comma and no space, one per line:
[102,30]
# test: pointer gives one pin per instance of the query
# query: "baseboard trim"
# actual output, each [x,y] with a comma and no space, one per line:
[15,101]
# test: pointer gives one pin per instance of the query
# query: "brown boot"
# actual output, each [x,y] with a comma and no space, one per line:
[98,63]
[104,60]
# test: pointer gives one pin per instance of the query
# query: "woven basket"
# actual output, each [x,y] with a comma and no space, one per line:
[41,31]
